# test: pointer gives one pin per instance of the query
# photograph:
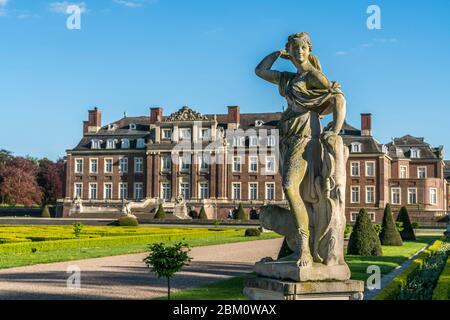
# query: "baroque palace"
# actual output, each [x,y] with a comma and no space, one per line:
[221,160]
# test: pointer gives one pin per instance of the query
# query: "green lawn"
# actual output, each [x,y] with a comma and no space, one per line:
[195,237]
[231,289]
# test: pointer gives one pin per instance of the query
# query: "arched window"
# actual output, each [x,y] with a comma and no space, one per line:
[356,147]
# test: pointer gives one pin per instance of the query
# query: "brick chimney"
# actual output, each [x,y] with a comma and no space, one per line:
[366,124]
[156,115]
[234,117]
[94,122]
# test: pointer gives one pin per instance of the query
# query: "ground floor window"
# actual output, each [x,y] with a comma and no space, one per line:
[395,195]
[138,191]
[270,191]
[253,191]
[107,193]
[185,190]
[412,196]
[433,196]
[236,191]
[78,192]
[355,194]
[204,190]
[166,191]
[93,191]
[123,190]
[354,216]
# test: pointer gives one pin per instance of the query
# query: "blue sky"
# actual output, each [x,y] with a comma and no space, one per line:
[131,55]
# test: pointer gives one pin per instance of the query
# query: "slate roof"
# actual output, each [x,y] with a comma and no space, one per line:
[400,148]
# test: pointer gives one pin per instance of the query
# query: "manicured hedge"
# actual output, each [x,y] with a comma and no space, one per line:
[442,290]
[391,291]
[11,248]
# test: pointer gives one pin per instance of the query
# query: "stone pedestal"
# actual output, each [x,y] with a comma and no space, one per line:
[288,270]
[259,288]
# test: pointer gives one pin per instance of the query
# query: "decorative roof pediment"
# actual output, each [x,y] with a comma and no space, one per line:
[185,114]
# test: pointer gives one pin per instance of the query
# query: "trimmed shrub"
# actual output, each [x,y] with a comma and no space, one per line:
[393,288]
[202,215]
[45,212]
[348,230]
[442,290]
[127,221]
[160,213]
[389,235]
[407,233]
[241,214]
[364,240]
[377,228]
[252,232]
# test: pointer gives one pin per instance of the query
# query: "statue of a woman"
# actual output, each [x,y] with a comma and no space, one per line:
[312,161]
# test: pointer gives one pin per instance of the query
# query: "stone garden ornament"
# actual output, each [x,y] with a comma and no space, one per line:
[312,165]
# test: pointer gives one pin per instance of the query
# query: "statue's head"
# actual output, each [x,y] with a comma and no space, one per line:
[299,47]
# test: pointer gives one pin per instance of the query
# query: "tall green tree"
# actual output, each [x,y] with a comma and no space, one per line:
[364,240]
[407,233]
[389,235]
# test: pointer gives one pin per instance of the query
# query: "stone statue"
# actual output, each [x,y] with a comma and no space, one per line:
[77,205]
[312,164]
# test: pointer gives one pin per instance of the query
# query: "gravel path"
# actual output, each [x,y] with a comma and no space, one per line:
[126,277]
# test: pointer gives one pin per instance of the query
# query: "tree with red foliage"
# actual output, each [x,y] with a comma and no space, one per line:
[50,178]
[18,183]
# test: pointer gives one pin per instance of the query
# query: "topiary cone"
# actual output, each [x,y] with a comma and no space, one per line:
[202,215]
[160,213]
[364,240]
[408,231]
[389,235]
[45,212]
[241,215]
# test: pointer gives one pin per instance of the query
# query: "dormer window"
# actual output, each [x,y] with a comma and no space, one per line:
[167,134]
[96,144]
[133,126]
[112,127]
[415,153]
[356,147]
[111,143]
[254,141]
[259,123]
[385,149]
[140,143]
[185,133]
[125,143]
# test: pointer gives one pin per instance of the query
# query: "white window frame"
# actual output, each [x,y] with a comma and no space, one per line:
[76,165]
[237,163]
[111,143]
[425,172]
[354,216]
[399,195]
[434,201]
[137,168]
[183,188]
[182,131]
[166,160]
[356,147]
[104,191]
[373,163]
[163,133]
[205,134]
[274,164]
[233,189]
[123,190]
[185,163]
[203,162]
[267,191]
[135,190]
[406,172]
[123,161]
[203,191]
[90,191]
[106,160]
[358,166]
[250,162]
[165,186]
[75,189]
[250,190]
[253,141]
[367,194]
[91,160]
[351,194]
[415,153]
[409,193]
[271,141]
[96,144]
